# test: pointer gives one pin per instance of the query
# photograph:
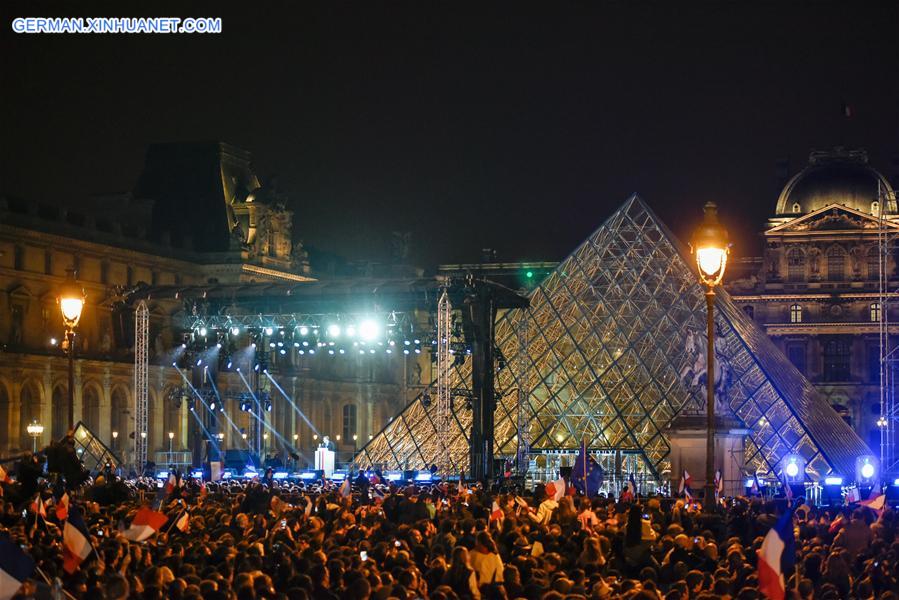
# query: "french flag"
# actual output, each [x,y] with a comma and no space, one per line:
[556,489]
[183,522]
[15,568]
[146,522]
[38,507]
[685,482]
[62,507]
[876,502]
[76,545]
[496,513]
[776,557]
[171,484]
[345,489]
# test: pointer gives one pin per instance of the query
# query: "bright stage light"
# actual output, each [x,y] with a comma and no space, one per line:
[212,405]
[792,469]
[369,330]
[235,330]
[334,330]
[350,331]
[219,346]
[833,480]
[199,361]
[868,471]
[203,331]
[304,330]
[269,331]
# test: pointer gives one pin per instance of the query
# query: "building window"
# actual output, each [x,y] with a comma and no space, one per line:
[796,313]
[875,312]
[749,310]
[796,353]
[836,264]
[795,265]
[875,208]
[874,363]
[796,208]
[872,260]
[349,422]
[836,359]
[19,258]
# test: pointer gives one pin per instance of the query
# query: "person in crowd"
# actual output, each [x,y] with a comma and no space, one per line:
[284,539]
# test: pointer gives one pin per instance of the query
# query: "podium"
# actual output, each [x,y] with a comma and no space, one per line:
[324,461]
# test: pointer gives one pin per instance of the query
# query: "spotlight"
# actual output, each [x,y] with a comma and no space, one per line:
[283,351]
[311,350]
[302,351]
[866,470]
[219,346]
[418,350]
[199,361]
[212,405]
[334,330]
[253,345]
[256,367]
[406,351]
[229,365]
[793,468]
[369,329]
[235,330]
[269,331]
[330,351]
[53,341]
[203,331]
[175,365]
[342,351]
[304,330]
[350,331]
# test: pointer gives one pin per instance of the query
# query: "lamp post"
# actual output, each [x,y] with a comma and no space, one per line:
[115,440]
[35,430]
[171,440]
[71,303]
[710,246]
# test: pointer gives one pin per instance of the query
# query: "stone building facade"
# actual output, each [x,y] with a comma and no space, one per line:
[197,215]
[816,291]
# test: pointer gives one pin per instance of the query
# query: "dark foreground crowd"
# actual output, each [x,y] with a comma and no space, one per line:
[250,540]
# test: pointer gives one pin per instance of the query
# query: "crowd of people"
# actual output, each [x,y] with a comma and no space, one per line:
[288,540]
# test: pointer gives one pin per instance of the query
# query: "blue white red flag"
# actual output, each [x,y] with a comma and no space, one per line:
[76,545]
[776,557]
[146,522]
[15,568]
[686,481]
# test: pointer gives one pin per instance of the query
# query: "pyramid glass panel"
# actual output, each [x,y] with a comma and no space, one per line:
[615,352]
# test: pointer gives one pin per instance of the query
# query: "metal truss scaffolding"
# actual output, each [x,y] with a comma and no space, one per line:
[141,383]
[887,235]
[444,373]
[612,343]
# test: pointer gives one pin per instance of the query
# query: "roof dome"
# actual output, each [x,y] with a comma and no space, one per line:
[836,176]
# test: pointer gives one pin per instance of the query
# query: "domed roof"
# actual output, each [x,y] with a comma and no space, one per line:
[835,177]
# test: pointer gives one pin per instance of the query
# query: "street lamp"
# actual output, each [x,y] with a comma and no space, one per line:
[115,439]
[71,303]
[171,439]
[710,246]
[35,430]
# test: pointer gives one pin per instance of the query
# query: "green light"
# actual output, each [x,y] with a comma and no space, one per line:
[529,274]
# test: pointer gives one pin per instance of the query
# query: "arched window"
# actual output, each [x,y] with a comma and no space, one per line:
[872,261]
[90,408]
[349,422]
[797,208]
[29,410]
[60,401]
[875,312]
[836,264]
[795,265]
[796,313]
[5,418]
[121,413]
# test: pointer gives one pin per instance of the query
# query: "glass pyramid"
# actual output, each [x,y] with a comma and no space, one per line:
[615,339]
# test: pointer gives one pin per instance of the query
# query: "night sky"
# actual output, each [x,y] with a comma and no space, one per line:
[510,127]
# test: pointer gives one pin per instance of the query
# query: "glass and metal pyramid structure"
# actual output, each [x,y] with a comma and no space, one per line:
[612,349]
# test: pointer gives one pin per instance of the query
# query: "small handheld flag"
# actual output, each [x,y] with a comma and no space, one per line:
[146,522]
[556,489]
[76,542]
[776,557]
